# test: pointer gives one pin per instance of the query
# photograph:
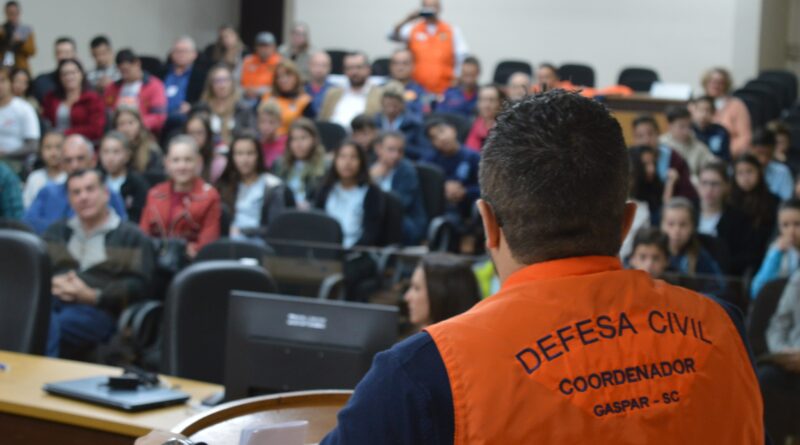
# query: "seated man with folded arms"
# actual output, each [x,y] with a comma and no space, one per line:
[100,264]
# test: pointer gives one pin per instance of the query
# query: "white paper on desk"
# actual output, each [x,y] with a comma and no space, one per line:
[289,433]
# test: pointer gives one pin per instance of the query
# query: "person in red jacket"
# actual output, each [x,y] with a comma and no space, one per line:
[73,107]
[138,89]
[184,206]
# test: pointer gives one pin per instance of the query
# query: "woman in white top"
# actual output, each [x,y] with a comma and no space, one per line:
[52,172]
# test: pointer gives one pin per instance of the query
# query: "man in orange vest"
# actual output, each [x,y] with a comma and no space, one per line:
[573,348]
[438,47]
[258,68]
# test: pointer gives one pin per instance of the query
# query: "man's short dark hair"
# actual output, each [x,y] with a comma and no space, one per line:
[391,134]
[363,122]
[65,39]
[436,121]
[763,138]
[358,54]
[101,177]
[645,119]
[707,99]
[126,55]
[549,66]
[472,60]
[12,3]
[98,41]
[651,236]
[555,170]
[677,112]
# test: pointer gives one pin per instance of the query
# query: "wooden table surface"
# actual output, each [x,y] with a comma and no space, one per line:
[21,394]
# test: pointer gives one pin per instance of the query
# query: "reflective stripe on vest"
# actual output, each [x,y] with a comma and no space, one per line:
[579,350]
[434,57]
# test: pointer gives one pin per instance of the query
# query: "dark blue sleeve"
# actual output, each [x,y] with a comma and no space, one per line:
[36,215]
[404,399]
[118,205]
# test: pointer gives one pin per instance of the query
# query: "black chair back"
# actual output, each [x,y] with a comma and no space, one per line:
[25,299]
[760,313]
[506,68]
[462,124]
[331,134]
[312,226]
[152,65]
[579,75]
[756,109]
[638,79]
[769,99]
[196,314]
[780,90]
[787,78]
[431,183]
[393,220]
[380,67]
[228,249]
[337,60]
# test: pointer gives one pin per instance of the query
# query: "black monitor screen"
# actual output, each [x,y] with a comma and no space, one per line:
[281,343]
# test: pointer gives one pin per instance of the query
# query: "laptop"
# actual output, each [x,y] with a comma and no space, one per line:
[96,390]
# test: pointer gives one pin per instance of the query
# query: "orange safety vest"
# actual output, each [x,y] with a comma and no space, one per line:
[291,109]
[579,350]
[257,73]
[434,56]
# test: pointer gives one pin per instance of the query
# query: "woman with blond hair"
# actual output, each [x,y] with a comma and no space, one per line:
[731,111]
[289,95]
[222,102]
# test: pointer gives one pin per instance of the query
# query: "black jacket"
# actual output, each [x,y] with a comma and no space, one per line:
[197,80]
[134,195]
[374,214]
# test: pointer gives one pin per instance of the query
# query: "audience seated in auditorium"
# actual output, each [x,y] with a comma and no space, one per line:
[650,252]
[228,50]
[19,134]
[64,48]
[438,47]
[252,196]
[228,112]
[783,140]
[401,67]
[17,40]
[52,203]
[21,83]
[184,206]
[52,172]
[365,132]
[490,102]
[298,48]
[517,86]
[289,95]
[105,70]
[100,264]
[680,138]
[272,144]
[11,206]
[714,135]
[184,79]
[139,90]
[670,165]
[258,68]
[115,156]
[726,223]
[778,176]
[731,112]
[342,104]
[752,197]
[687,256]
[462,98]
[783,257]
[460,167]
[302,166]
[146,155]
[212,157]
[319,67]
[73,107]
[442,286]
[394,116]
[393,173]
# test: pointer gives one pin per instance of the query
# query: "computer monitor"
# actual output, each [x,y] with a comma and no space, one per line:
[279,343]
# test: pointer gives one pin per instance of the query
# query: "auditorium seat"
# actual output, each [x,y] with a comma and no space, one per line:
[431,183]
[506,68]
[331,134]
[152,65]
[637,78]
[380,67]
[579,75]
[337,60]
[761,311]
[786,78]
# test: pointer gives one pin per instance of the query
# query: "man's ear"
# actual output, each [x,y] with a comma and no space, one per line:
[627,218]
[491,228]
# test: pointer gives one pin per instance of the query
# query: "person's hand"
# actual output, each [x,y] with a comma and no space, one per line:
[61,287]
[454,191]
[377,171]
[789,360]
[783,243]
[157,438]
[185,108]
[673,175]
[80,290]
[191,250]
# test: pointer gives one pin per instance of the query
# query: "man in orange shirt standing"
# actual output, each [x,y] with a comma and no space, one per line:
[258,68]
[438,47]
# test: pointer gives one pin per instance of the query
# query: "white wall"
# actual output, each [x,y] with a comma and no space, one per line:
[148,26]
[678,38]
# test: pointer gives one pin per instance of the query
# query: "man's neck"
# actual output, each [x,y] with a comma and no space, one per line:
[318,83]
[179,70]
[135,79]
[91,224]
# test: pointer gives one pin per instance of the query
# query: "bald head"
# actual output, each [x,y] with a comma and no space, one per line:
[78,154]
[319,66]
[184,52]
[518,86]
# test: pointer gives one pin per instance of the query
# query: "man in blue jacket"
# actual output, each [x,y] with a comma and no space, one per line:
[51,204]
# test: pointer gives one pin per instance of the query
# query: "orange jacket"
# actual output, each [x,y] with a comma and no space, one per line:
[257,73]
[579,350]
[434,56]
[291,108]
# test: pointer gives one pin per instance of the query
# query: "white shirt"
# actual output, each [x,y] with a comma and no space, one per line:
[115,184]
[350,105]
[36,181]
[18,122]
[708,224]
[129,94]
[641,219]
[250,201]
[347,207]
[460,47]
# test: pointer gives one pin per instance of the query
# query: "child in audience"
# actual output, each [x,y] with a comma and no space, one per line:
[115,155]
[272,144]
[752,197]
[783,256]
[146,157]
[646,184]
[302,166]
[681,139]
[442,286]
[670,165]
[251,195]
[715,136]
[687,256]
[365,132]
[212,158]
[490,102]
[650,252]
[52,172]
[778,176]
[783,140]
[462,98]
